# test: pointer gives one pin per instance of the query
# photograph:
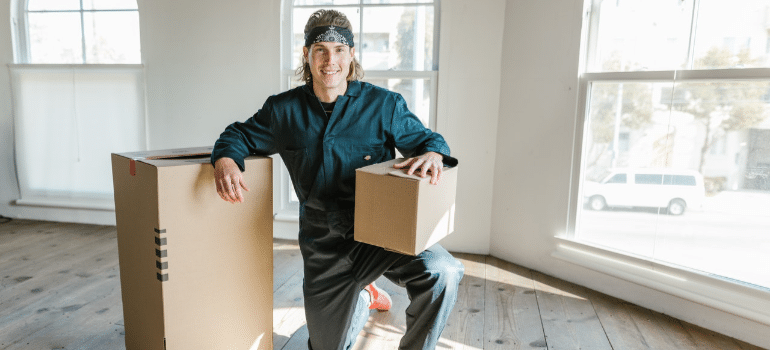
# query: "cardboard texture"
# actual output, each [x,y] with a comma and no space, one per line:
[196,272]
[400,212]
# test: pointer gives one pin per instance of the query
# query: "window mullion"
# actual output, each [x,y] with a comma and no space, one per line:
[82,32]
[693,27]
[361,33]
[23,33]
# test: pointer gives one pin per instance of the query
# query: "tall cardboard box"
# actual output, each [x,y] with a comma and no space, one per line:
[196,272]
[403,213]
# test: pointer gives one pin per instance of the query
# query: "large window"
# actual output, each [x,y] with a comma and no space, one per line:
[78,31]
[396,44]
[673,147]
[78,95]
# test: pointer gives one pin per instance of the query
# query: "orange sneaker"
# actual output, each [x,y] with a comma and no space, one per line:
[380,299]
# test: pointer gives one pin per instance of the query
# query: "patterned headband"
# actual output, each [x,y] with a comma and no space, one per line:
[329,34]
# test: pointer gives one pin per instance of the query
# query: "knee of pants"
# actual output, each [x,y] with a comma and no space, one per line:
[446,271]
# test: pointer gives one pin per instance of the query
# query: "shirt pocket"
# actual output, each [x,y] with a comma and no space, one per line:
[354,156]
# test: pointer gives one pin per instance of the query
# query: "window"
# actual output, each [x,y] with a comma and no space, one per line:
[396,44]
[687,82]
[78,95]
[78,31]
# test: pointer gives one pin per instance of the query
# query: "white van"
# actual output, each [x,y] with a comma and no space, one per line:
[667,188]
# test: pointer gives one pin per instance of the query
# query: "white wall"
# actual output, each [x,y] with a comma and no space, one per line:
[9,188]
[468,102]
[541,45]
[208,64]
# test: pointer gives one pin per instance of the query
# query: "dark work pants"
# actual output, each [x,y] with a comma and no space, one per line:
[337,268]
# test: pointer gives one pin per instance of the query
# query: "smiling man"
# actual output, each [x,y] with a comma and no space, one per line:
[324,130]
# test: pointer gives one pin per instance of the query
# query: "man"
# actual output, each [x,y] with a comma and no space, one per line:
[323,131]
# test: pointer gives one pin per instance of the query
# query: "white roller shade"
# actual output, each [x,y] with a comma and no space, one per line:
[68,119]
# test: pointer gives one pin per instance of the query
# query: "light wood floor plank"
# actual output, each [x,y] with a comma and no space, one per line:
[287,261]
[288,311]
[60,289]
[465,326]
[511,316]
[57,278]
[385,329]
[710,340]
[658,336]
[63,305]
[569,319]
[619,323]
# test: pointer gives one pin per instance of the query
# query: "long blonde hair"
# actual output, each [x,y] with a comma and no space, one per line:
[328,18]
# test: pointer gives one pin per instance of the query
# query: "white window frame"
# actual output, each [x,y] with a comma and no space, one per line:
[22,54]
[287,210]
[739,298]
[22,58]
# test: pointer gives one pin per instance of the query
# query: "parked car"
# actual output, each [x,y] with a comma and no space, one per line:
[672,189]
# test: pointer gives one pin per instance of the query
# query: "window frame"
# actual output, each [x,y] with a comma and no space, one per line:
[286,209]
[722,293]
[22,54]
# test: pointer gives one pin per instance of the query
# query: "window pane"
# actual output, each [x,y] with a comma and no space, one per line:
[398,38]
[53,5]
[634,35]
[688,206]
[324,2]
[112,37]
[398,1]
[55,38]
[109,4]
[416,92]
[732,34]
[301,16]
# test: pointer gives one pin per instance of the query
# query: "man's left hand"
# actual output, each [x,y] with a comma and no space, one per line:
[430,161]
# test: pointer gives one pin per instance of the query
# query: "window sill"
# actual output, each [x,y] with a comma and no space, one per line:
[751,302]
[91,204]
[286,215]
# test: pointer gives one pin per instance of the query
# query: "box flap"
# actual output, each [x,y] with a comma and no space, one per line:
[402,173]
[170,157]
[381,168]
[386,168]
[168,153]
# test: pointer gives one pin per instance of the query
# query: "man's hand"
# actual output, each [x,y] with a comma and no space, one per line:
[229,180]
[430,161]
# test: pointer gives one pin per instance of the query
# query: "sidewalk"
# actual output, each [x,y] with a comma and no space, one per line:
[754,203]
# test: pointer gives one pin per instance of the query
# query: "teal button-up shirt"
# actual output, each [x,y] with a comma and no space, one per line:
[366,127]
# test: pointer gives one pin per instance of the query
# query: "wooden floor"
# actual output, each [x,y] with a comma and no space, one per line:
[60,289]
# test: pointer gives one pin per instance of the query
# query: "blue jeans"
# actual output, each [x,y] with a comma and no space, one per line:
[337,268]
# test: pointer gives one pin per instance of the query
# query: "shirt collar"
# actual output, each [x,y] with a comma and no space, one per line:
[354,89]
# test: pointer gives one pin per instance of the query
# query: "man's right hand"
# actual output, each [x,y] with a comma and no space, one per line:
[229,180]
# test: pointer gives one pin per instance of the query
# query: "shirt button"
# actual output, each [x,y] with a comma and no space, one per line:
[367,157]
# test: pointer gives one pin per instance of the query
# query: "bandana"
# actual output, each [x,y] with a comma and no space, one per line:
[329,34]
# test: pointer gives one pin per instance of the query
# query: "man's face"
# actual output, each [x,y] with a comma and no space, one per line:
[329,64]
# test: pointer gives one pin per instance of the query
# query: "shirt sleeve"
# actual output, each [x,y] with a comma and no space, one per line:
[254,136]
[412,138]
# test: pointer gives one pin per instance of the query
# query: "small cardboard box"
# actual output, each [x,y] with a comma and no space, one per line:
[196,272]
[400,212]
